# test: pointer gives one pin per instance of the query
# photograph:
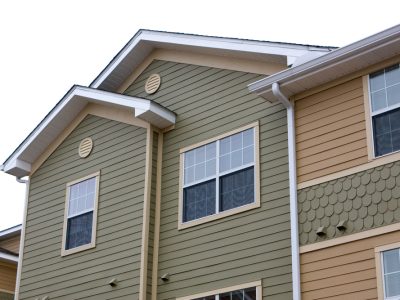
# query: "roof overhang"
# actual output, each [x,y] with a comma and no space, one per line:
[20,162]
[8,257]
[9,232]
[145,41]
[336,64]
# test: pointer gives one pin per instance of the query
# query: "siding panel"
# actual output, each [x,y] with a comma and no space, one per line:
[330,130]
[119,154]
[344,271]
[245,247]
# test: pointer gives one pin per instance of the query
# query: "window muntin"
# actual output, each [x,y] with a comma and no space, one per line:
[80,214]
[225,168]
[391,273]
[384,87]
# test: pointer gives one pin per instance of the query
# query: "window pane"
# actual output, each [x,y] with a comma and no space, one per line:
[236,159]
[248,137]
[386,132]
[377,81]
[199,200]
[392,75]
[225,146]
[393,95]
[236,141]
[248,155]
[200,154]
[250,294]
[237,295]
[189,159]
[211,167]
[79,230]
[225,296]
[391,261]
[224,163]
[378,100]
[237,189]
[189,175]
[200,171]
[392,284]
[211,151]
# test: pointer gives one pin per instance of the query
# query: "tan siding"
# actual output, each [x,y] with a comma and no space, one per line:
[8,273]
[11,244]
[119,155]
[330,131]
[344,271]
[241,248]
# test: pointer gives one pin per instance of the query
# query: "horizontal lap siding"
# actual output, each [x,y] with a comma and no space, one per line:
[8,273]
[245,247]
[119,155]
[345,271]
[330,131]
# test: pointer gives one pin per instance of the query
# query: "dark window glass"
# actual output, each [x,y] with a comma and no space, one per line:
[199,200]
[250,294]
[237,189]
[206,298]
[386,128]
[79,230]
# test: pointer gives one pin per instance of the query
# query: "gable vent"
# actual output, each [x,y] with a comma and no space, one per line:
[85,147]
[152,84]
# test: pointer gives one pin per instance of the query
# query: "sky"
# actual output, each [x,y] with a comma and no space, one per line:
[46,46]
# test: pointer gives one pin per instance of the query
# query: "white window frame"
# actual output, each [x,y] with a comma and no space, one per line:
[256,284]
[371,114]
[92,244]
[379,269]
[255,164]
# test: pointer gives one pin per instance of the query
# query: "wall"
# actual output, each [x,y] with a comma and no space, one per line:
[241,248]
[119,154]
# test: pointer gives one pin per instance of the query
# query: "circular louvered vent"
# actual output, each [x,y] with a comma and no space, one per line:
[152,84]
[85,147]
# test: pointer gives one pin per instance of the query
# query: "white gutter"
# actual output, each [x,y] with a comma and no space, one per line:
[8,257]
[294,232]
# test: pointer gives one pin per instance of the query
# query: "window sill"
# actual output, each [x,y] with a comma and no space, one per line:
[220,215]
[78,249]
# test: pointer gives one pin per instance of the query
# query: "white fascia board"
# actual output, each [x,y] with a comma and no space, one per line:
[161,117]
[320,64]
[157,38]
[9,257]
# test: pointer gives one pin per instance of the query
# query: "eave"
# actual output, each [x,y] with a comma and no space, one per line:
[336,64]
[146,41]
[20,162]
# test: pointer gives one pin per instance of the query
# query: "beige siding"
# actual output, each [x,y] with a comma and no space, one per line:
[119,155]
[330,131]
[11,244]
[345,271]
[8,273]
[241,248]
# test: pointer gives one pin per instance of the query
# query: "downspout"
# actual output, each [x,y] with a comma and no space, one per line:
[294,232]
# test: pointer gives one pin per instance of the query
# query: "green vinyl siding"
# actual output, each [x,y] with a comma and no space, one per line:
[119,154]
[6,296]
[241,248]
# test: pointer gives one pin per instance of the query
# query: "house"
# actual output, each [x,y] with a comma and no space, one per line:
[9,249]
[183,172]
[346,134]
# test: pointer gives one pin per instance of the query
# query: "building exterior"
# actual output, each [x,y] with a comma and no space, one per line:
[9,249]
[183,172]
[348,184]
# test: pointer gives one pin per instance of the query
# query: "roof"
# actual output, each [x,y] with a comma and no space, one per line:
[20,161]
[336,64]
[145,41]
[9,232]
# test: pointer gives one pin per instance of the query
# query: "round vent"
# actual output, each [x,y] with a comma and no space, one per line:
[85,147]
[152,84]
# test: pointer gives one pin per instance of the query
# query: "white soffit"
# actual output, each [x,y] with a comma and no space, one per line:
[19,163]
[338,63]
[145,41]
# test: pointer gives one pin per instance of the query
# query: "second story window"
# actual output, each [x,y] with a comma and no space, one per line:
[219,176]
[391,273]
[384,88]
[81,212]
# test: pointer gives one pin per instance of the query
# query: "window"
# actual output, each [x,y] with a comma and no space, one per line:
[384,87]
[248,291]
[220,175]
[391,273]
[80,214]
